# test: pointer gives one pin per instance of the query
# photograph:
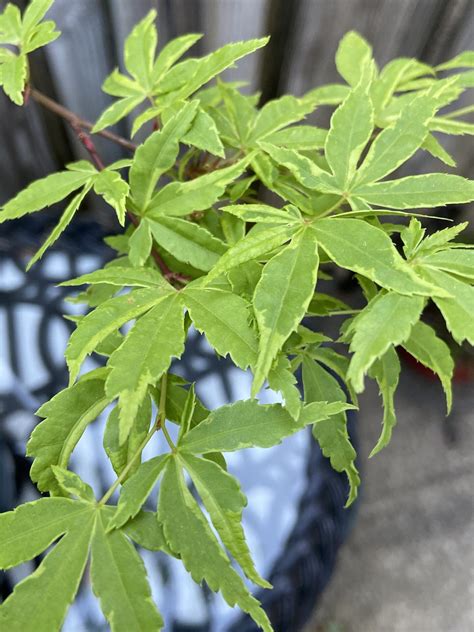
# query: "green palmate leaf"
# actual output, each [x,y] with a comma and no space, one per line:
[158,154]
[281,379]
[10,25]
[261,213]
[386,321]
[281,298]
[424,345]
[300,137]
[61,226]
[386,371]
[123,277]
[244,278]
[71,483]
[356,245]
[432,145]
[176,398]
[171,52]
[252,247]
[351,127]
[119,581]
[241,425]
[390,78]
[117,111]
[202,70]
[304,170]
[187,241]
[140,245]
[40,601]
[13,74]
[455,261]
[118,85]
[352,55]
[451,126]
[104,320]
[331,433]
[397,143]
[204,135]
[440,239]
[224,318]
[136,490]
[139,50]
[66,417]
[423,191]
[224,501]
[121,455]
[144,356]
[458,310]
[43,193]
[183,198]
[189,534]
[31,528]
[239,117]
[188,412]
[279,113]
[114,190]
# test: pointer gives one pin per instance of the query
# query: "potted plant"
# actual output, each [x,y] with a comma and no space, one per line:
[199,248]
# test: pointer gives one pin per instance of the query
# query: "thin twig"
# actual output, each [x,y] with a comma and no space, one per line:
[74,119]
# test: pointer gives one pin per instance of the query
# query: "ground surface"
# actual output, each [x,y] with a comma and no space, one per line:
[408,565]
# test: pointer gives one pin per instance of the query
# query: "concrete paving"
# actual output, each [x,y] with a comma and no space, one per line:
[408,565]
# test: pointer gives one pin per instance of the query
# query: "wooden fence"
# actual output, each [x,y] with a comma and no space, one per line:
[300,55]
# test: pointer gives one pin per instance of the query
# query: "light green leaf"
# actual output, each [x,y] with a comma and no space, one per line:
[279,113]
[260,213]
[114,190]
[244,424]
[351,127]
[386,371]
[353,54]
[224,501]
[139,50]
[108,317]
[71,483]
[299,137]
[119,85]
[183,198]
[31,528]
[423,191]
[66,416]
[13,74]
[386,321]
[304,170]
[358,246]
[117,111]
[244,278]
[463,60]
[204,135]
[451,126]
[424,345]
[158,154]
[225,319]
[458,310]
[10,25]
[171,52]
[432,145]
[331,433]
[144,356]
[330,94]
[123,277]
[252,247]
[61,226]
[456,261]
[40,601]
[392,76]
[205,68]
[43,193]
[146,531]
[440,239]
[281,378]
[187,415]
[395,144]
[189,535]
[34,13]
[120,455]
[281,298]
[120,583]
[136,490]
[187,241]
[140,245]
